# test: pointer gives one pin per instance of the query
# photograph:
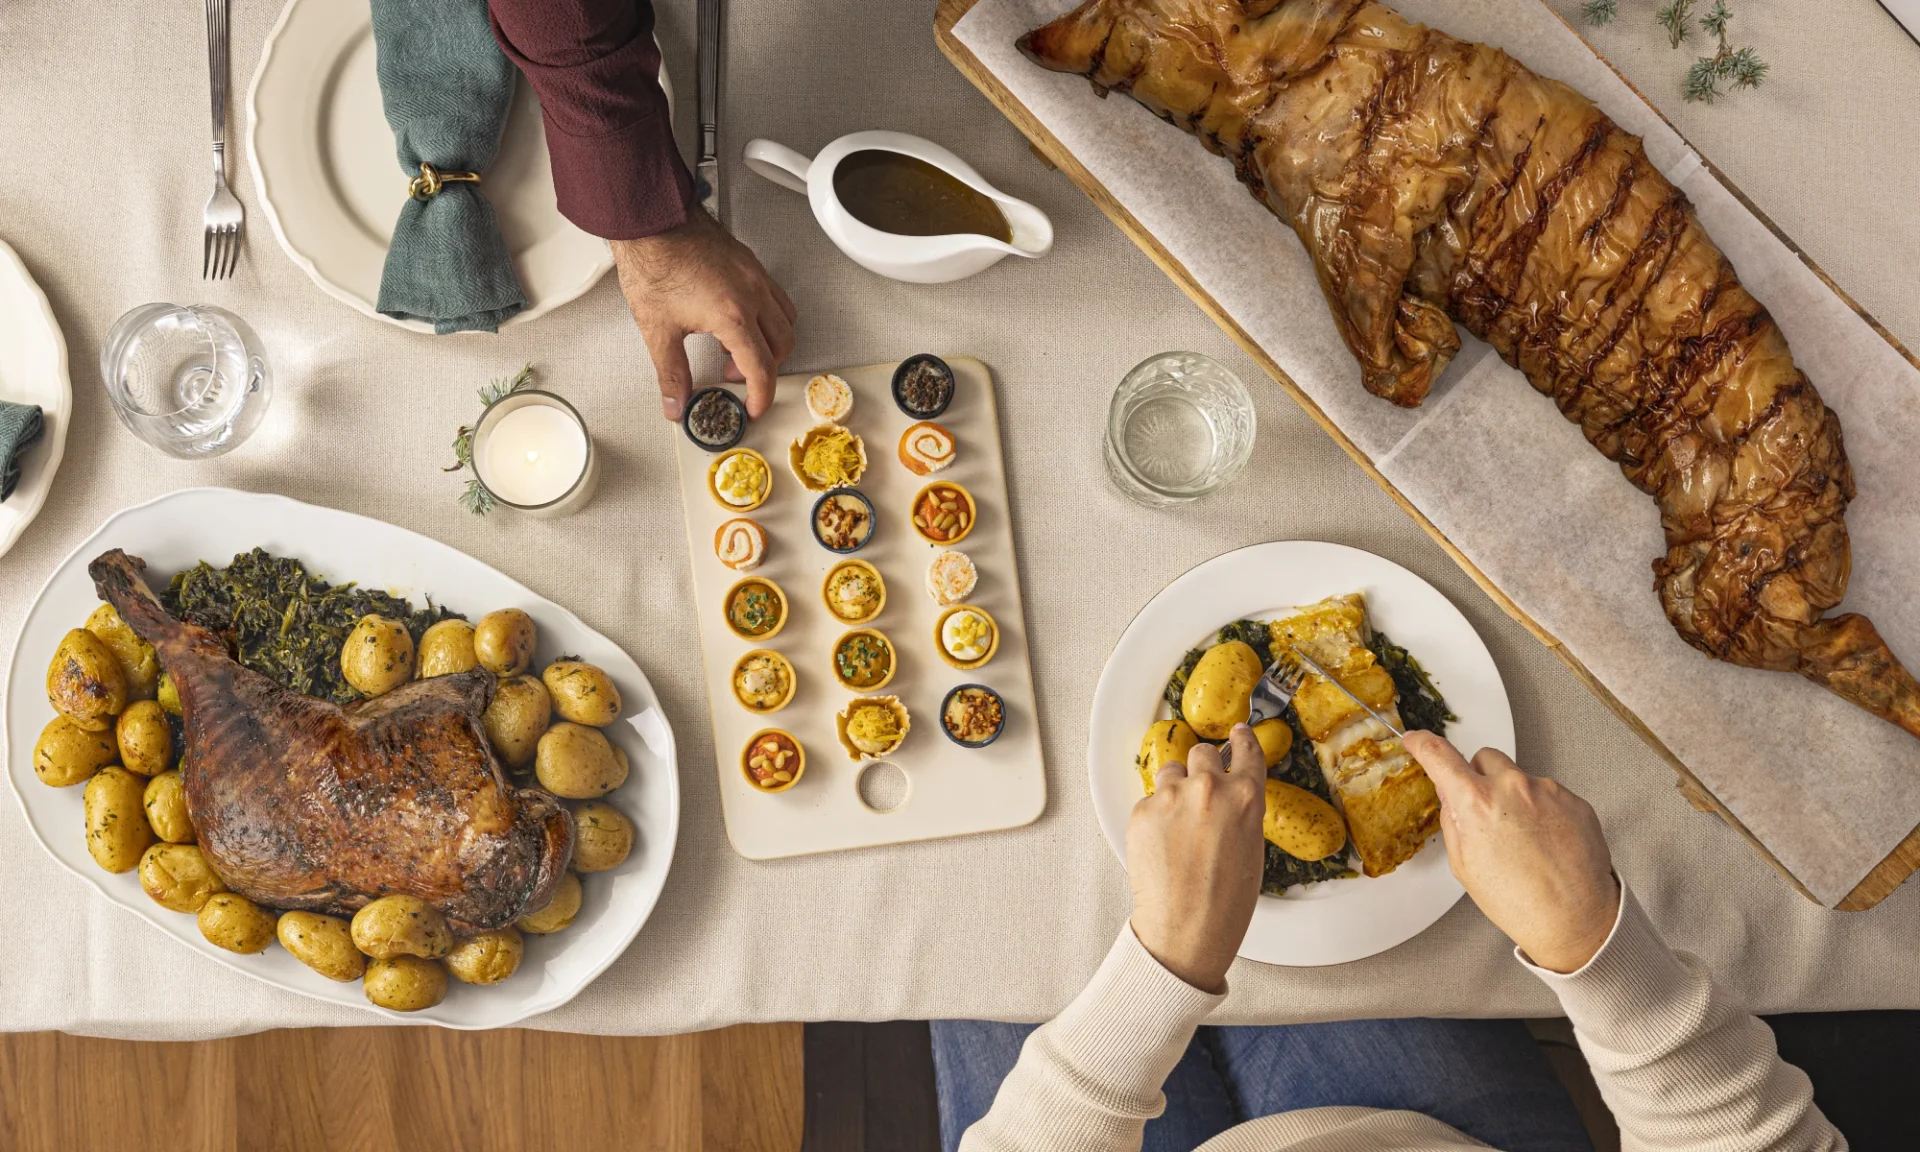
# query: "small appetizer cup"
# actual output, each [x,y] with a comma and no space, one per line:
[839,496]
[786,669]
[980,690]
[940,637]
[716,400]
[829,398]
[938,404]
[740,544]
[826,591]
[766,745]
[902,724]
[780,608]
[713,480]
[797,454]
[893,660]
[930,518]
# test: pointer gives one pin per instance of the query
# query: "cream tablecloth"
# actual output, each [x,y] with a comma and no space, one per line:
[104,120]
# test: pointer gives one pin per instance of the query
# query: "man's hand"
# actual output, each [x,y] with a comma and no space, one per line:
[698,278]
[1194,857]
[1529,852]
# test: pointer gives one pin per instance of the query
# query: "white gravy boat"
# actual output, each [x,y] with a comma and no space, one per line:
[916,259]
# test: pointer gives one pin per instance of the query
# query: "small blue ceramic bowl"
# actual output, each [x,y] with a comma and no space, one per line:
[725,399]
[924,411]
[813,519]
[948,699]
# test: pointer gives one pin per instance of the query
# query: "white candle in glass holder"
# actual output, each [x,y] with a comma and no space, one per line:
[532,452]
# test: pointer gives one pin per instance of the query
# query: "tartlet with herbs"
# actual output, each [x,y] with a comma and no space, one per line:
[756,608]
[763,681]
[854,591]
[864,660]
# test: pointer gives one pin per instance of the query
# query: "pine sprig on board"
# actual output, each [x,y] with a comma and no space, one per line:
[474,497]
[1708,77]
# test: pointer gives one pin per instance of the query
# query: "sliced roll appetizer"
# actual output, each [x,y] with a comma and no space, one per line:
[741,544]
[926,448]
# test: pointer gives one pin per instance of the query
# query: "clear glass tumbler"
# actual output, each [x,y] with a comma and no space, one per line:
[1180,426]
[191,381]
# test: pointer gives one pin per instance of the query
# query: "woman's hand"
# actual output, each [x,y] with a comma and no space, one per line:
[1194,857]
[1529,852]
[698,278]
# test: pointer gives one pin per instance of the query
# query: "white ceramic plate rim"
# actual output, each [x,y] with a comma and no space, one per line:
[658,847]
[1342,920]
[56,403]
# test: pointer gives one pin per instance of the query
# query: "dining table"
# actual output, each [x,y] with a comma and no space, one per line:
[104,121]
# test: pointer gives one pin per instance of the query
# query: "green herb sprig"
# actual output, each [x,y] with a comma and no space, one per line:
[474,497]
[1708,77]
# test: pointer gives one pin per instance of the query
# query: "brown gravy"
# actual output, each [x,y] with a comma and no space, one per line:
[910,197]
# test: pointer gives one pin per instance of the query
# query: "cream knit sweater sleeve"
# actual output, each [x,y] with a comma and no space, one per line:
[1681,1066]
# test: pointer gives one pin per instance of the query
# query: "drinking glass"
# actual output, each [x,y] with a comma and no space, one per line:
[1180,426]
[191,381]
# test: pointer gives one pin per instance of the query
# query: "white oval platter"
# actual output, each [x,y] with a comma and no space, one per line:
[1340,920]
[176,531]
[33,370]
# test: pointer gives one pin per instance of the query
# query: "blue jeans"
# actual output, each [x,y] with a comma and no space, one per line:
[1487,1078]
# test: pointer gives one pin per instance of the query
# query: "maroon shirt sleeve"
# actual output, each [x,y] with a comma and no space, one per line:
[616,170]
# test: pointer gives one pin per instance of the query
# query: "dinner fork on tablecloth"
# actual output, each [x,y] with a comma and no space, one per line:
[224,219]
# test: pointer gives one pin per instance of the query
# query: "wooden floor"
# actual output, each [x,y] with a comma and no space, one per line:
[373,1089]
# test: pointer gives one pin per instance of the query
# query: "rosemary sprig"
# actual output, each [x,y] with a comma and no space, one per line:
[474,497]
[1708,77]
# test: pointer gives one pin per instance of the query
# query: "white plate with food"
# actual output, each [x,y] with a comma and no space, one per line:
[1317,919]
[323,159]
[33,370]
[175,533]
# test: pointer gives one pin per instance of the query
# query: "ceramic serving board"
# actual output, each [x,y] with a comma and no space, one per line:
[941,789]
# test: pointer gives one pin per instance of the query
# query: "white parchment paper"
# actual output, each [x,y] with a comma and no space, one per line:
[1828,788]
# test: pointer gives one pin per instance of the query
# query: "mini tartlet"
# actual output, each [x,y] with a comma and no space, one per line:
[763,681]
[923,386]
[926,448]
[854,591]
[828,456]
[770,754]
[842,520]
[973,715]
[951,577]
[715,419]
[756,608]
[944,513]
[870,727]
[864,660]
[967,637]
[740,544]
[829,398]
[740,480]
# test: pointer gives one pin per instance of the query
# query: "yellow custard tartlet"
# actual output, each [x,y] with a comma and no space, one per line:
[966,636]
[854,591]
[741,480]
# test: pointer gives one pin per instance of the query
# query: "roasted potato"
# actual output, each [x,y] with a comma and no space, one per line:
[178,876]
[446,648]
[405,983]
[167,696]
[602,837]
[503,641]
[322,943]
[145,737]
[577,762]
[1301,824]
[166,804]
[137,661]
[517,718]
[68,754]
[84,681]
[559,911]
[401,926]
[582,693]
[1219,691]
[117,831]
[377,656]
[231,921]
[487,958]
[1166,741]
[1276,739]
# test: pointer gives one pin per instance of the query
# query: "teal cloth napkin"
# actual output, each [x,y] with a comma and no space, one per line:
[20,426]
[446,86]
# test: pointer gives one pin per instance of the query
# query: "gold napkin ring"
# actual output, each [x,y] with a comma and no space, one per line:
[431,180]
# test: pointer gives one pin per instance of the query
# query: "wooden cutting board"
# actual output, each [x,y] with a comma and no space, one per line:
[942,789]
[1888,875]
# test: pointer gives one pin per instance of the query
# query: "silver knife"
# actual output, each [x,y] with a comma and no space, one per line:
[1328,677]
[706,168]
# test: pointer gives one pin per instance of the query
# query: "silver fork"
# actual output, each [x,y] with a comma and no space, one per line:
[224,218]
[1276,690]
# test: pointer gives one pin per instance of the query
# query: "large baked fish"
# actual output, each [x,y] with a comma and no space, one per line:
[1437,181]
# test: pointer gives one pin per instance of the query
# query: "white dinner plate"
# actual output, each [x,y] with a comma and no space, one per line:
[1340,920]
[323,160]
[33,370]
[176,531]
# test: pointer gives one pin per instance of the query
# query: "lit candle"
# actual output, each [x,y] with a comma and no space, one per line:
[532,452]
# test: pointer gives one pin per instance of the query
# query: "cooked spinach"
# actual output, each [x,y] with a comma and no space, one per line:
[284,622]
[1177,683]
[1421,705]
[1254,635]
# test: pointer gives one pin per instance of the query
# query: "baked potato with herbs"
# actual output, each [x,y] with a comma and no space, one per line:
[117,831]
[519,715]
[84,681]
[1219,693]
[405,983]
[559,911]
[167,695]
[577,762]
[165,800]
[1166,742]
[138,664]
[322,943]
[504,641]
[67,754]
[602,837]
[145,737]
[377,656]
[231,921]
[178,876]
[487,958]
[1301,824]
[582,693]
[401,926]
[446,648]
[1276,739]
